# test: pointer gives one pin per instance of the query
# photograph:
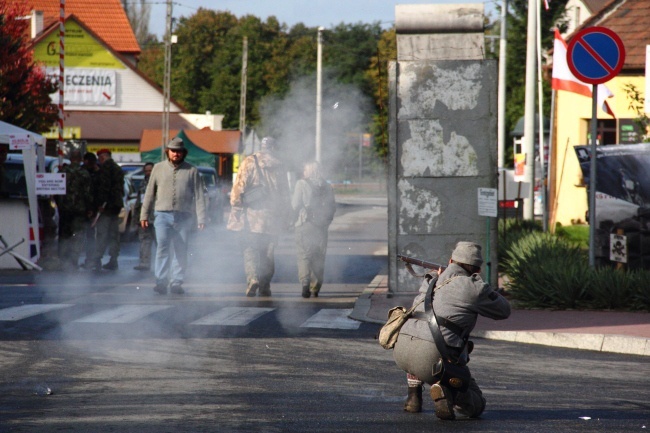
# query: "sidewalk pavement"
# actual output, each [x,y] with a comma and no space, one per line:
[605,331]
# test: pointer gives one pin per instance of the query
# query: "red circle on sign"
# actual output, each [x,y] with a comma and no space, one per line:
[595,55]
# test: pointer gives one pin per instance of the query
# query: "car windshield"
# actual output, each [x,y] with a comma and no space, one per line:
[208,178]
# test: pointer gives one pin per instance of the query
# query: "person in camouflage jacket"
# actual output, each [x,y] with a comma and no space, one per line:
[75,207]
[110,193]
[260,210]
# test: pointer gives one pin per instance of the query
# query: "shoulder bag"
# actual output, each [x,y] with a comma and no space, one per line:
[397,316]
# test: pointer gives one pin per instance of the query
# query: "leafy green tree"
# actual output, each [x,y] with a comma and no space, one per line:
[377,75]
[517,21]
[24,88]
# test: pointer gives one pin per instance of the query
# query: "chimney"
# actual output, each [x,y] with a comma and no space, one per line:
[37,23]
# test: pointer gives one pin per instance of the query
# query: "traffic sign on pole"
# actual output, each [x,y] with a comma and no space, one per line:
[595,55]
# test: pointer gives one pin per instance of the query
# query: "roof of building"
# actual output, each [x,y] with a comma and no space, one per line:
[595,5]
[106,18]
[120,126]
[630,20]
[207,139]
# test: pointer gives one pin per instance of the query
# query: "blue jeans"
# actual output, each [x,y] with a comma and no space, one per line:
[172,234]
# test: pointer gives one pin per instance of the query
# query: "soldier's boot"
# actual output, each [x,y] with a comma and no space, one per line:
[443,402]
[265,289]
[305,290]
[315,289]
[413,401]
[251,291]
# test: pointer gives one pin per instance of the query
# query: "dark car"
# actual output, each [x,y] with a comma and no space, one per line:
[217,198]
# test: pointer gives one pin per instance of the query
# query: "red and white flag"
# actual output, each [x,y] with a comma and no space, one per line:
[563,79]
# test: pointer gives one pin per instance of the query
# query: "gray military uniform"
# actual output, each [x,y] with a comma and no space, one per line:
[461,298]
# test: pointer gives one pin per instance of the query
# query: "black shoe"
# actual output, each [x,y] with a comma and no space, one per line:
[141,268]
[110,266]
[265,292]
[305,292]
[177,289]
[161,289]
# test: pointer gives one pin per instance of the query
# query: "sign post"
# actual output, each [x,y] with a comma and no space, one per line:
[595,55]
[487,207]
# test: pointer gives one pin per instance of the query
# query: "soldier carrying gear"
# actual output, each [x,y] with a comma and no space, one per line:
[260,211]
[459,296]
[314,205]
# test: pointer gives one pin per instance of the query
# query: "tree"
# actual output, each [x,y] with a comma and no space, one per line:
[517,19]
[139,13]
[24,88]
[377,74]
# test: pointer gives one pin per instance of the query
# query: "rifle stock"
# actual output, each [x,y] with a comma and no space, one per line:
[422,263]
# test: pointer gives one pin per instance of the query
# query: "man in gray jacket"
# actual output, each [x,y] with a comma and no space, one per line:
[175,193]
[460,295]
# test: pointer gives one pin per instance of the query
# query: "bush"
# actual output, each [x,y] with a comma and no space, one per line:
[549,271]
[510,231]
[546,271]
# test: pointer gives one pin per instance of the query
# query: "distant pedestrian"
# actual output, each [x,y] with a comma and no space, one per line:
[260,210]
[314,204]
[93,169]
[459,297]
[146,235]
[110,194]
[175,195]
[75,209]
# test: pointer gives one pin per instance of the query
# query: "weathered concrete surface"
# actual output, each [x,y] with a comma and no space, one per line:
[443,148]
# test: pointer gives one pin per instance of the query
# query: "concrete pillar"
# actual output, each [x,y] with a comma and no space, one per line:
[442,137]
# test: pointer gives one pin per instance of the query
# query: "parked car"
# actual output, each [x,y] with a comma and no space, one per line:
[216,197]
[128,167]
[126,216]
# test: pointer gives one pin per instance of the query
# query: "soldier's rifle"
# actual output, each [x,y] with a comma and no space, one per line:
[429,266]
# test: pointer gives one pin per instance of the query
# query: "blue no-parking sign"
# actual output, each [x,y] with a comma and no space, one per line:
[595,55]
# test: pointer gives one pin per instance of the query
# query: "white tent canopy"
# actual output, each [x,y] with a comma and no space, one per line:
[13,134]
[28,142]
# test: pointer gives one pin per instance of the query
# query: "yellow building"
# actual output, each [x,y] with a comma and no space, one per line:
[630,20]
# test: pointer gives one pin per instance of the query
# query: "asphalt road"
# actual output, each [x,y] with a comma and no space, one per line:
[111,356]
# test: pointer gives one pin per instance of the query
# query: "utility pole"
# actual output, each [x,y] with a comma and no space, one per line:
[244,74]
[529,110]
[501,99]
[167,78]
[319,92]
[61,77]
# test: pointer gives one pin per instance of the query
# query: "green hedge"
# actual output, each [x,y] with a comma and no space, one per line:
[550,271]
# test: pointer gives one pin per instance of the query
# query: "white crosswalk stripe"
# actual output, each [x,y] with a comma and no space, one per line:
[13,314]
[331,319]
[233,316]
[122,314]
[225,316]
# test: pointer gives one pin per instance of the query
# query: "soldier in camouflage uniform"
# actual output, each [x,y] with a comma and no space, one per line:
[110,194]
[74,210]
[262,218]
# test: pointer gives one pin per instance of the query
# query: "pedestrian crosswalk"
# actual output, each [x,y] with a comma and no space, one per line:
[231,316]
